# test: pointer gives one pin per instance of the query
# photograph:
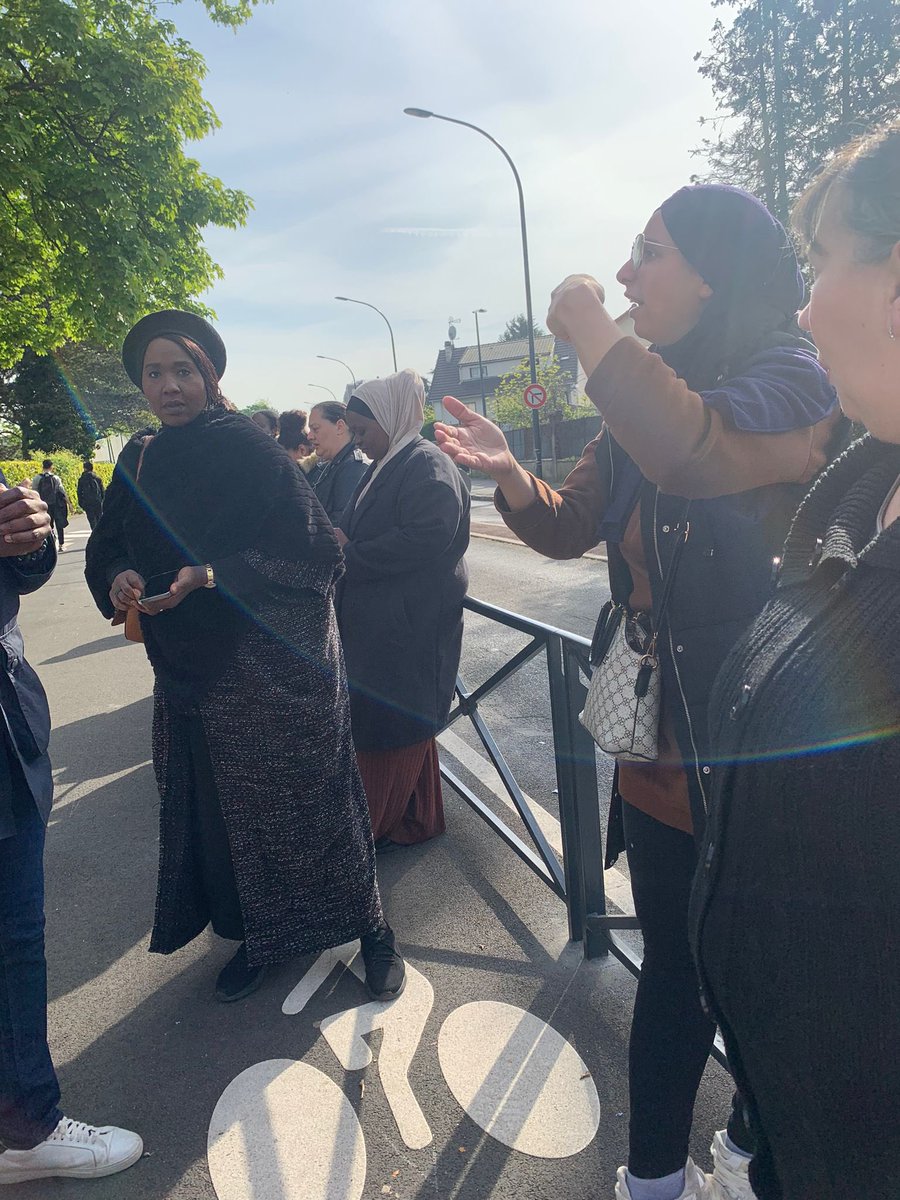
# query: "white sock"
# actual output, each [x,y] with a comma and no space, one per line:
[669,1187]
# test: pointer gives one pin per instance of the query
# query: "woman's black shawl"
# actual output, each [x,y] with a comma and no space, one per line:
[217,491]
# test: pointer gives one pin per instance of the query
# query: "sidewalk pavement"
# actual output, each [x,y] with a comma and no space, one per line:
[500,1073]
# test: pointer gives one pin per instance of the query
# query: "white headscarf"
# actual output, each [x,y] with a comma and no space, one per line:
[398,405]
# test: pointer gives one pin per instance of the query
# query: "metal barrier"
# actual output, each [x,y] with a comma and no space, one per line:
[579,881]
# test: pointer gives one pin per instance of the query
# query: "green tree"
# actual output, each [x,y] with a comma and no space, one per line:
[101,209]
[42,405]
[511,411]
[794,80]
[517,329]
[98,383]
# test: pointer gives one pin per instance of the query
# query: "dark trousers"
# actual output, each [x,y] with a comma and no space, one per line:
[29,1092]
[93,516]
[60,522]
[209,836]
[671,1036]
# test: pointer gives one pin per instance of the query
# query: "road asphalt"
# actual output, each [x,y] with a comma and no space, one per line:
[504,1027]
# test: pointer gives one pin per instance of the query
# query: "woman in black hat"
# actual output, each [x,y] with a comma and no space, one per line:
[265,836]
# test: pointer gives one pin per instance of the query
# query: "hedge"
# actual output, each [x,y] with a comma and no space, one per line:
[65,464]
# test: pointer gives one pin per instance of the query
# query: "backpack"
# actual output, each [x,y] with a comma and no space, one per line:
[90,494]
[48,487]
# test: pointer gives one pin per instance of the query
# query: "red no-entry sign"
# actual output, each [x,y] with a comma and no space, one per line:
[535,395]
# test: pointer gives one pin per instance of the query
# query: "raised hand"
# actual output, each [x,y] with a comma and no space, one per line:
[475,442]
[24,521]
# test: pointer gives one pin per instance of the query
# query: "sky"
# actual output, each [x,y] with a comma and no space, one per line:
[597,102]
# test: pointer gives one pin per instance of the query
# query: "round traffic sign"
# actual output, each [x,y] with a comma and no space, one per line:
[535,395]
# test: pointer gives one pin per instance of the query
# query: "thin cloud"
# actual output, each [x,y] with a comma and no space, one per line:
[431,231]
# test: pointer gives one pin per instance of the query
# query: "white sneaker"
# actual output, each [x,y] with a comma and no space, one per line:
[695,1184]
[730,1179]
[73,1151]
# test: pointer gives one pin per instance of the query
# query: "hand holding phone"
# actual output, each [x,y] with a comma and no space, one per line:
[157,587]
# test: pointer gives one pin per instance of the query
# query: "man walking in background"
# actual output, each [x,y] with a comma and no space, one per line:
[90,493]
[50,489]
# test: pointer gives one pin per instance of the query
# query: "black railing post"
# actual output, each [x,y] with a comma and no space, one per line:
[586,801]
[565,783]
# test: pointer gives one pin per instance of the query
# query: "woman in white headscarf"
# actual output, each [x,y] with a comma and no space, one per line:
[404,535]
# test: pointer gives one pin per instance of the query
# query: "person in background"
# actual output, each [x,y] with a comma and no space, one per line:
[264,829]
[50,488]
[38,1142]
[293,437]
[341,465]
[796,911]
[90,493]
[267,420]
[400,606]
[731,410]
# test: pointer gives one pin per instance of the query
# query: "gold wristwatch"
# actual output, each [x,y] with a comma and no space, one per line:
[210,577]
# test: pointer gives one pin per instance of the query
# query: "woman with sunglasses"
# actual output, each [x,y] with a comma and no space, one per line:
[730,410]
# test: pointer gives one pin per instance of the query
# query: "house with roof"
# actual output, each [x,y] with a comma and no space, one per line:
[473,378]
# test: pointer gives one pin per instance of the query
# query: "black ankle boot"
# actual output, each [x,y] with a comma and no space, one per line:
[237,978]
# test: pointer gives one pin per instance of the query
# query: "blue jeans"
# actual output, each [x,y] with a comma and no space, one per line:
[29,1091]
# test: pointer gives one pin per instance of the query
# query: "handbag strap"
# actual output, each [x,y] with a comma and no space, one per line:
[145,442]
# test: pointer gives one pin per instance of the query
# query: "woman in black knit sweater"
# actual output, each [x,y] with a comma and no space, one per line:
[796,911]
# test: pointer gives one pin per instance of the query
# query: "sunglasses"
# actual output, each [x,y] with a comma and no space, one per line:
[638,245]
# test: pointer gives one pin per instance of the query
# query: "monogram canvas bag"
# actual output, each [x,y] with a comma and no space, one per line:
[621,711]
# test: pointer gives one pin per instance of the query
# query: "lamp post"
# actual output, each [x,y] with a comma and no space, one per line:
[350,300]
[322,388]
[476,311]
[328,358]
[532,358]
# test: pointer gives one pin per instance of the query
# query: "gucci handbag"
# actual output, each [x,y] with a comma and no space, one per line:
[621,711]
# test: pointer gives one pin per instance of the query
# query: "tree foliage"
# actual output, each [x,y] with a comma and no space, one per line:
[45,409]
[517,329]
[101,209]
[794,80]
[97,381]
[509,407]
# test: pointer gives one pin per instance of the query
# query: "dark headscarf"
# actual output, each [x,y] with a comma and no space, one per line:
[745,255]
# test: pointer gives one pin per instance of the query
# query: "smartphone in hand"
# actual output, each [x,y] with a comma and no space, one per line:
[157,587]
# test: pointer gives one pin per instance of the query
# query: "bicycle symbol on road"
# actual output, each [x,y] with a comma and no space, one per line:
[283,1130]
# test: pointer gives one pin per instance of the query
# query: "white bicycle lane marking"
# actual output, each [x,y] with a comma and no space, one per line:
[402,1023]
[283,1130]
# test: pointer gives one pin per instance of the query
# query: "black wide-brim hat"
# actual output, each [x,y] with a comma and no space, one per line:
[170,321]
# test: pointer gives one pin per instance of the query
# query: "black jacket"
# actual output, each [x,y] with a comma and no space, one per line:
[23,702]
[724,578]
[400,604]
[796,906]
[335,482]
[90,491]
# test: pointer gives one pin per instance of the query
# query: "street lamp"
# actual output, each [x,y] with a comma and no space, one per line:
[328,358]
[476,311]
[532,358]
[324,389]
[350,300]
